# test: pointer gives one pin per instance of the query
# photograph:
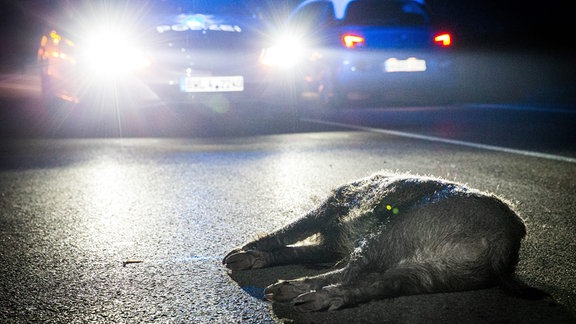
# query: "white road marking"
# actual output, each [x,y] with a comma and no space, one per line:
[447,141]
[523,108]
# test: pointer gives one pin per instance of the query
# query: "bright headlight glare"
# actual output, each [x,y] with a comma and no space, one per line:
[285,53]
[109,52]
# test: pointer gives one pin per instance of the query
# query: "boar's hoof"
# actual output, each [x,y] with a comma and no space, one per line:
[317,301]
[244,260]
[285,291]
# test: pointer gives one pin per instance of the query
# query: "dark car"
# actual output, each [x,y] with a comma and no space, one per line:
[349,50]
[112,54]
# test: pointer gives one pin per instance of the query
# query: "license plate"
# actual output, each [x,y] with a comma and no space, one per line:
[411,64]
[212,84]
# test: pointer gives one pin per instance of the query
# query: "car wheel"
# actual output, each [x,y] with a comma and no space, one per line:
[50,101]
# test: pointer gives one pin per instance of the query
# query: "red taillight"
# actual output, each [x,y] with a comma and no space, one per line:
[443,39]
[351,40]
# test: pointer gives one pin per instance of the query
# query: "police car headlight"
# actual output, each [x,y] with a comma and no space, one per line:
[110,51]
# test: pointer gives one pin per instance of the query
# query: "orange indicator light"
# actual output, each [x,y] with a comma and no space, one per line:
[352,41]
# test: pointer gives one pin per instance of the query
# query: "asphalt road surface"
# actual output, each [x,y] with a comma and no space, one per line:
[74,210]
[134,229]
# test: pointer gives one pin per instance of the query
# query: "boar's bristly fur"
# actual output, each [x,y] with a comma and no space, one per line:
[396,235]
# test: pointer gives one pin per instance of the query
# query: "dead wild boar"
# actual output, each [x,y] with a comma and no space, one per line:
[394,235]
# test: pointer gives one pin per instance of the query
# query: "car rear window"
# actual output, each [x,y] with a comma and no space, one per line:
[313,15]
[394,13]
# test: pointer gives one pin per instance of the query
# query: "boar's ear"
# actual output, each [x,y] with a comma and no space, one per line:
[383,175]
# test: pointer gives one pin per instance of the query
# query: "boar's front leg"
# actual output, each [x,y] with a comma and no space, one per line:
[278,248]
[286,290]
[346,294]
[244,259]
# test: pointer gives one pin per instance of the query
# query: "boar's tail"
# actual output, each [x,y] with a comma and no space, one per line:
[514,287]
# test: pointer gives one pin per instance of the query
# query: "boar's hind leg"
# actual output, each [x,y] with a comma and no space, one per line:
[407,279]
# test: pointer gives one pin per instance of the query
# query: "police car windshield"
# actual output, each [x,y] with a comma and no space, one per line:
[220,7]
